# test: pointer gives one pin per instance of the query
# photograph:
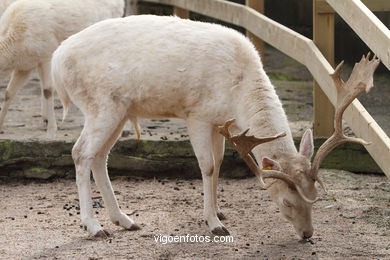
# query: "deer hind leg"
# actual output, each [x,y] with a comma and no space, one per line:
[94,136]
[218,152]
[47,100]
[100,174]
[18,80]
[201,139]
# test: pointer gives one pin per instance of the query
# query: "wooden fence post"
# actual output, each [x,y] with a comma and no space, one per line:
[323,37]
[257,5]
[131,7]
[182,13]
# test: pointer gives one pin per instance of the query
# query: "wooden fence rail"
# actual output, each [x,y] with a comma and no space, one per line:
[304,51]
[369,28]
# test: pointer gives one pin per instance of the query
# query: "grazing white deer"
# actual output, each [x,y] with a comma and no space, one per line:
[30,31]
[150,66]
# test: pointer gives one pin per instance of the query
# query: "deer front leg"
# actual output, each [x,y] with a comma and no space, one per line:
[201,139]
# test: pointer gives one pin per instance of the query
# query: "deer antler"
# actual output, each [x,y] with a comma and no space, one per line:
[244,145]
[361,79]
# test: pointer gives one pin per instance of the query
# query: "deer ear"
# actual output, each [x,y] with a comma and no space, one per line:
[306,148]
[271,164]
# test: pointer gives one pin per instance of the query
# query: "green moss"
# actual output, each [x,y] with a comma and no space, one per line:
[37,170]
[6,149]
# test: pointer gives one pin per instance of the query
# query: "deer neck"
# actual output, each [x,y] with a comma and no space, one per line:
[264,116]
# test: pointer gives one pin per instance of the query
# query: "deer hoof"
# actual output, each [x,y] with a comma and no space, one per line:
[103,234]
[221,216]
[134,227]
[220,231]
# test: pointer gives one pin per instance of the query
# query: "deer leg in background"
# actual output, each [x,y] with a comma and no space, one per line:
[19,78]
[47,104]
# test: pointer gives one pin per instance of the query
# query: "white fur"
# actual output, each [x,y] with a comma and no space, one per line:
[4,5]
[150,66]
[30,31]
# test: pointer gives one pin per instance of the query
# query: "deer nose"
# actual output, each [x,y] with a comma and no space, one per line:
[307,234]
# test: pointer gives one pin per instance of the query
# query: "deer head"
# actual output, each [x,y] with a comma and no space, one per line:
[294,177]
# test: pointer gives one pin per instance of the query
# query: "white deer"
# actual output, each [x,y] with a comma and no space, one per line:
[30,31]
[149,66]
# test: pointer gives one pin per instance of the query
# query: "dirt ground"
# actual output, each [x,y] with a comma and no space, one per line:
[39,220]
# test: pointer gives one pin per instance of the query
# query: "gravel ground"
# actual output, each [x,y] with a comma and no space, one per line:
[39,220]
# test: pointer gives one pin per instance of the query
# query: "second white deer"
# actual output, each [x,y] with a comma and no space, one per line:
[30,31]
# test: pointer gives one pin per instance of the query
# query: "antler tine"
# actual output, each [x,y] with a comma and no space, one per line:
[361,79]
[247,143]
[242,142]
[224,129]
[336,75]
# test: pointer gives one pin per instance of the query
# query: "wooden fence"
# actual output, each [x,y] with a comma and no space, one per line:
[305,51]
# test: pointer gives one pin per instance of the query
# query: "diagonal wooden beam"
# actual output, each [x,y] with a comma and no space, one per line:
[373,5]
